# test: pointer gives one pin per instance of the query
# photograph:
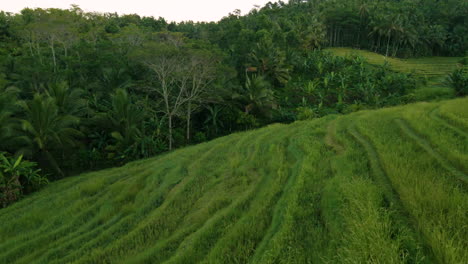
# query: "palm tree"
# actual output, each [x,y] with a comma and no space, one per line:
[125,116]
[69,101]
[269,61]
[115,78]
[377,25]
[408,38]
[47,128]
[126,119]
[257,96]
[363,20]
[212,121]
[392,29]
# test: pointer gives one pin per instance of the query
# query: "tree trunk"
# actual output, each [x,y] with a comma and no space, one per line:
[336,37]
[388,45]
[340,37]
[189,113]
[377,46]
[31,49]
[358,38]
[395,48]
[38,50]
[53,54]
[66,54]
[170,131]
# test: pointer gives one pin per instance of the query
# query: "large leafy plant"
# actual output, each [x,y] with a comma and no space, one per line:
[16,176]
[458,79]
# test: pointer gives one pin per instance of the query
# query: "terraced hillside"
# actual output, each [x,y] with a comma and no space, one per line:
[385,186]
[428,66]
[433,69]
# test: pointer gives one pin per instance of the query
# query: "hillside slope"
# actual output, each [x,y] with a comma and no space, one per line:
[425,66]
[434,70]
[385,186]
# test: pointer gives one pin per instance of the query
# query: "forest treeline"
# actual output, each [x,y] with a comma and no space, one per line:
[81,91]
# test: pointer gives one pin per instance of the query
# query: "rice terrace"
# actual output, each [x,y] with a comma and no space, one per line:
[387,186]
[312,131]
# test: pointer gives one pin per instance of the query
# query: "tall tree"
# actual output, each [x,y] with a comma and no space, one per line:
[201,70]
[167,63]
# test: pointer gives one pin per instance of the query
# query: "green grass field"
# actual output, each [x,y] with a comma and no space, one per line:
[382,186]
[433,70]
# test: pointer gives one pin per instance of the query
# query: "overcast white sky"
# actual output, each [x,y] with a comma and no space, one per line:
[171,10]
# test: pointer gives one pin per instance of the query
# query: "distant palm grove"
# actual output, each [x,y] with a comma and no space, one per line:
[82,91]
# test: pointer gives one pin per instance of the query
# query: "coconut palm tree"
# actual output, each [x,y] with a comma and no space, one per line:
[48,129]
[257,96]
[392,29]
[126,119]
[69,101]
[269,61]
[134,138]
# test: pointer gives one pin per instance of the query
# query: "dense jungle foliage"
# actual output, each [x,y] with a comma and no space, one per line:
[81,91]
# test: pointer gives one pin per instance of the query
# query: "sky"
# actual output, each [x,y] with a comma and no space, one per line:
[171,10]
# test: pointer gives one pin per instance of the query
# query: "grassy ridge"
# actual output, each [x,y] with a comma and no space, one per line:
[385,186]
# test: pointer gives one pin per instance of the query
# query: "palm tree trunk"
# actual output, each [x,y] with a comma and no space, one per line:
[377,47]
[53,163]
[53,54]
[336,37]
[395,48]
[388,45]
[358,40]
[38,50]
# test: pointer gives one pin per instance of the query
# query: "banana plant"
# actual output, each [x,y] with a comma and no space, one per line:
[15,175]
[9,175]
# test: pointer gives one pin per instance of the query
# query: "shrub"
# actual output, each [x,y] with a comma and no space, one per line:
[199,137]
[458,79]
[305,113]
[464,61]
[246,121]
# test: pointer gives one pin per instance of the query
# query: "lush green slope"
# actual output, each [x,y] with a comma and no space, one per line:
[434,70]
[426,66]
[386,186]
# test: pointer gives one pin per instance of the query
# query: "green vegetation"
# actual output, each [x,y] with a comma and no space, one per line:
[380,186]
[440,77]
[428,67]
[328,179]
[18,176]
[81,91]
